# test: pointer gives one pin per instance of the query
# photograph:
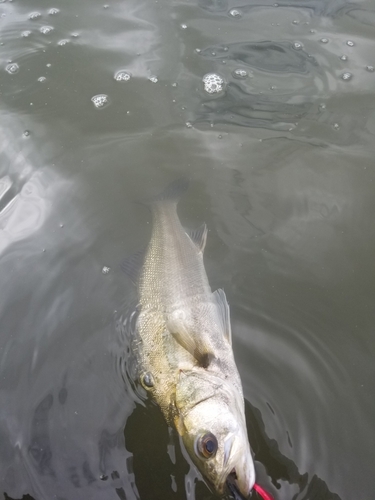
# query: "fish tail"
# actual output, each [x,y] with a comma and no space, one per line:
[172,193]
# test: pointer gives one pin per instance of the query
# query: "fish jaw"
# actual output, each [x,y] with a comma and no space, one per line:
[219,412]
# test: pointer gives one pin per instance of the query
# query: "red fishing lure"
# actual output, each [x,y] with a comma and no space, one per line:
[262,492]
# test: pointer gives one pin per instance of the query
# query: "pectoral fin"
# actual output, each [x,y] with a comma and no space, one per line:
[224,313]
[189,341]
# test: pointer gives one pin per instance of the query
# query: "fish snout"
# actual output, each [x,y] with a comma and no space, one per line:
[241,479]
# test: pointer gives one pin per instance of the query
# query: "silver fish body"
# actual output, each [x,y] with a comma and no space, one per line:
[183,348]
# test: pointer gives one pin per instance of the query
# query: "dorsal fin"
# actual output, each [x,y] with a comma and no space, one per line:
[131,265]
[224,313]
[199,237]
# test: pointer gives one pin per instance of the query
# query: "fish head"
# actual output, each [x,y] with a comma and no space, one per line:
[213,429]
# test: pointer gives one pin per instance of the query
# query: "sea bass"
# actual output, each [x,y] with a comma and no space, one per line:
[184,351]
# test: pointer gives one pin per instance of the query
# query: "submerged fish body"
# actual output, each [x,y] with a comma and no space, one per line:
[183,349]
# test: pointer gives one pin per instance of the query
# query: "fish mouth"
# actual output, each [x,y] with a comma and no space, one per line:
[232,486]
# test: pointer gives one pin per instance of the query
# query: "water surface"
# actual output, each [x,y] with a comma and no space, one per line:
[105,104]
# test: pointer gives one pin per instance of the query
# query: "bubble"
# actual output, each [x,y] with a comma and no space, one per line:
[336,126]
[100,100]
[347,76]
[12,68]
[297,45]
[198,51]
[122,76]
[295,21]
[235,13]
[26,33]
[75,35]
[46,30]
[213,83]
[322,107]
[174,84]
[153,79]
[183,26]
[344,57]
[106,6]
[188,125]
[35,15]
[63,42]
[312,31]
[240,73]
[370,69]
[26,133]
[106,270]
[350,43]
[48,65]
[53,11]
[42,79]
[324,40]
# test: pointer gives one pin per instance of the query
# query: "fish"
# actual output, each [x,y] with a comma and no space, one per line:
[183,347]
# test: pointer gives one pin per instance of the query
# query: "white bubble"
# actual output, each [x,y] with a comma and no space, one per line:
[46,30]
[240,73]
[188,125]
[26,133]
[235,13]
[370,69]
[322,107]
[122,76]
[12,68]
[26,33]
[35,15]
[174,84]
[213,83]
[53,11]
[350,43]
[106,6]
[75,35]
[344,57]
[347,76]
[183,26]
[100,100]
[336,126]
[153,79]
[297,45]
[198,51]
[106,270]
[42,79]
[324,40]
[63,42]
[295,21]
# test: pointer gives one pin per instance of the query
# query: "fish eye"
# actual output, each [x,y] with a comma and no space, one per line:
[207,445]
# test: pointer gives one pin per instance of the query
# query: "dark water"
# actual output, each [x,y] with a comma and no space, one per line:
[282,167]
